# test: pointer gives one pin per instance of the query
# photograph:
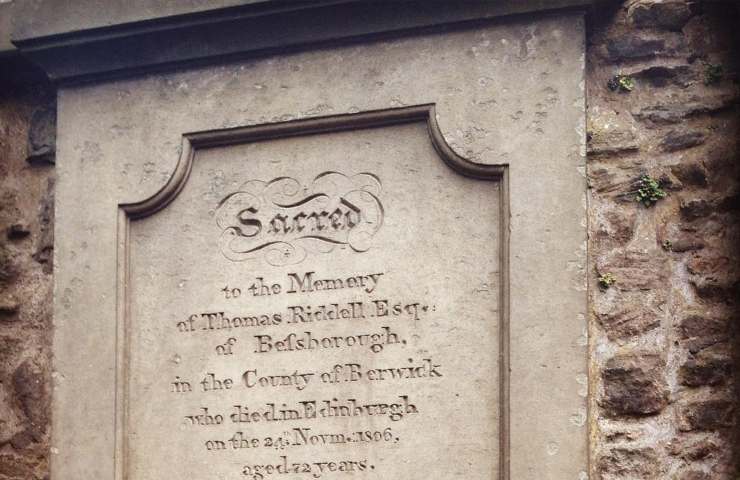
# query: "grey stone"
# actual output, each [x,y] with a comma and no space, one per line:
[631,46]
[42,136]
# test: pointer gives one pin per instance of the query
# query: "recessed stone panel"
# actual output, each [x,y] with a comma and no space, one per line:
[304,308]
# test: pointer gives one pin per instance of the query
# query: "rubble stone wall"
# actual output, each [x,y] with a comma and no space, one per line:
[26,254]
[664,173]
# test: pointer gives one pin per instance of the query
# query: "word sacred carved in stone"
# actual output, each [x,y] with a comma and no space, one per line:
[282,220]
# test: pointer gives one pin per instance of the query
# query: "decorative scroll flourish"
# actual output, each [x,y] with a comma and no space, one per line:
[282,220]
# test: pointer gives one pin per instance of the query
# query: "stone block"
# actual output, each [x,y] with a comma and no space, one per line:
[691,172]
[8,266]
[623,462]
[707,415]
[9,306]
[695,208]
[711,366]
[31,389]
[661,76]
[609,133]
[634,385]
[681,140]
[692,449]
[701,331]
[42,136]
[627,315]
[635,270]
[714,275]
[615,225]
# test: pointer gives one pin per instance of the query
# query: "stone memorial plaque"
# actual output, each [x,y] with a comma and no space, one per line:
[305,308]
[365,260]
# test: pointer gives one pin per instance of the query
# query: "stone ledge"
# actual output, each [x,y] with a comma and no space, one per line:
[73,49]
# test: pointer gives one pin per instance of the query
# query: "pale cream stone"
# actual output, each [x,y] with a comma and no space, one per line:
[466,201]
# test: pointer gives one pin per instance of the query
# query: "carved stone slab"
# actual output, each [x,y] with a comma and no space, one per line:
[322,321]
[358,262]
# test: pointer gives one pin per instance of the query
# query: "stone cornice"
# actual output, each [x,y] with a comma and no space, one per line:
[69,51]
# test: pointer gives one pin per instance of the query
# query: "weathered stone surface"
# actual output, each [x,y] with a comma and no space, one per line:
[670,182]
[616,226]
[181,256]
[680,140]
[685,241]
[632,45]
[635,270]
[626,317]
[714,33]
[8,267]
[628,463]
[634,384]
[10,348]
[622,433]
[13,467]
[699,331]
[18,231]
[691,173]
[11,421]
[729,203]
[695,208]
[44,253]
[609,133]
[25,294]
[670,14]
[663,75]
[707,368]
[610,181]
[707,415]
[669,113]
[42,136]
[9,305]
[31,392]
[693,475]
[693,448]
[667,95]
[713,275]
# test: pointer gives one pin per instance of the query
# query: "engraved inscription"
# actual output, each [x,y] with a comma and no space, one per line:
[375,357]
[283,220]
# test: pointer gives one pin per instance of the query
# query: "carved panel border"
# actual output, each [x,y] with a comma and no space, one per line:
[191,142]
